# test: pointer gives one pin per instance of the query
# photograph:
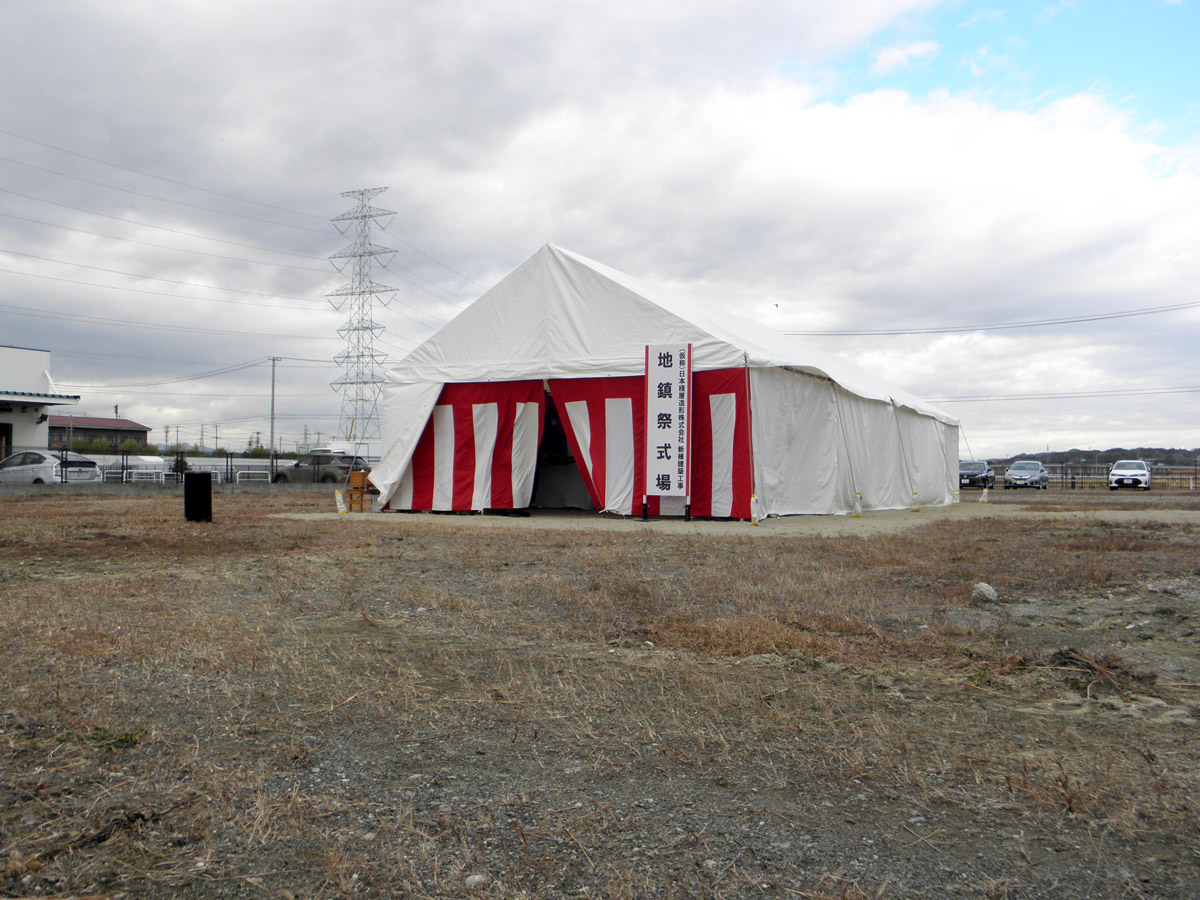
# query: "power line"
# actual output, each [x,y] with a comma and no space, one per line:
[117,287]
[224,370]
[190,362]
[447,290]
[312,417]
[129,323]
[75,88]
[100,389]
[1069,395]
[409,281]
[64,262]
[162,199]
[440,263]
[113,237]
[194,187]
[1035,323]
[130,290]
[206,237]
[324,362]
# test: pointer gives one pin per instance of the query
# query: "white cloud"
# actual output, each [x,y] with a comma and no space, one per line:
[1048,13]
[900,56]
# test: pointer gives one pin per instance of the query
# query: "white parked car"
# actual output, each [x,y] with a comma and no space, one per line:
[45,467]
[1129,473]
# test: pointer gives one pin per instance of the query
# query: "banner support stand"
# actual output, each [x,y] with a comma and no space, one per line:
[645,509]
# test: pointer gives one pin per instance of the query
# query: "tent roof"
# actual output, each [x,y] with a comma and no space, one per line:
[561,315]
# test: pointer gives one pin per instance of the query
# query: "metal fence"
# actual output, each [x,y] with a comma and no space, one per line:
[1094,476]
[129,468]
[134,469]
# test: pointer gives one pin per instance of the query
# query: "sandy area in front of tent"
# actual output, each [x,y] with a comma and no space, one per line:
[1116,508]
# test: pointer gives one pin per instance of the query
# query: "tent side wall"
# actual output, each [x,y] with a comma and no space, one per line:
[925,451]
[406,409]
[817,445]
[794,426]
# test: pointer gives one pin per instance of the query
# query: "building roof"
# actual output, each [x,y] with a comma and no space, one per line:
[38,398]
[96,422]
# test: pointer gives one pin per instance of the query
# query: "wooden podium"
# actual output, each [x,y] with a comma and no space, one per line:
[356,492]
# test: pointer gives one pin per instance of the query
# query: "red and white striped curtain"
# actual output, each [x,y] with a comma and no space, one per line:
[603,420]
[478,450]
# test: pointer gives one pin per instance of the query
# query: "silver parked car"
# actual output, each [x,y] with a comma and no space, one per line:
[45,467]
[1129,473]
[1027,473]
[327,466]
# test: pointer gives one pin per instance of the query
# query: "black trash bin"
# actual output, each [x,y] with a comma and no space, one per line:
[197,496]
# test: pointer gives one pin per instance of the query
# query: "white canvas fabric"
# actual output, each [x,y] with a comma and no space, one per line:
[823,431]
[407,406]
[795,435]
[724,413]
[524,454]
[486,420]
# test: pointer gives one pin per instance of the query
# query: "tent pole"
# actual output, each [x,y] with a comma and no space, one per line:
[754,507]
[849,456]
[904,455]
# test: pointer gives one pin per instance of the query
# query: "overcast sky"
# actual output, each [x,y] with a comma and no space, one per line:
[168,172]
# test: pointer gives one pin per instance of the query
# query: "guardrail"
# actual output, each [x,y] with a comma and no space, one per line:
[156,476]
[253,475]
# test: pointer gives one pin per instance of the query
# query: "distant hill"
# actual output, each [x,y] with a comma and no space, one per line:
[1159,456]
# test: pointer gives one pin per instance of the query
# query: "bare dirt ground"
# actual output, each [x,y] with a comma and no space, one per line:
[291,704]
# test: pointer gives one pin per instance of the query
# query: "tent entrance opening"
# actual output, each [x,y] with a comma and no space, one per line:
[557,483]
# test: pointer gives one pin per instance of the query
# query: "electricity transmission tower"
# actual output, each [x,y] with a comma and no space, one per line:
[362,366]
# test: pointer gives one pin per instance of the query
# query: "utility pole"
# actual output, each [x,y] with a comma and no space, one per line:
[274,359]
[362,378]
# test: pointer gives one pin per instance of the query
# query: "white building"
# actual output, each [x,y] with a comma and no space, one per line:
[27,393]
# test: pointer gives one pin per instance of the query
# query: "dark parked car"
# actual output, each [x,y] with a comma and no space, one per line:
[975,474]
[328,467]
[1027,473]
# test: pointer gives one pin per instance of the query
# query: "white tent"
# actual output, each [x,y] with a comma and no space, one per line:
[779,428]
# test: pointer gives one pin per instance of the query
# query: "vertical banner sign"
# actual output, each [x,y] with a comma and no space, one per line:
[668,419]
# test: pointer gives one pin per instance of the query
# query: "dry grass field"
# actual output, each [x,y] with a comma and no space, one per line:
[273,706]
